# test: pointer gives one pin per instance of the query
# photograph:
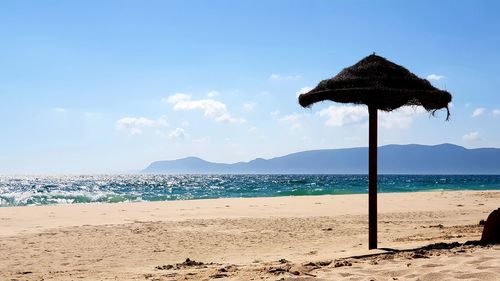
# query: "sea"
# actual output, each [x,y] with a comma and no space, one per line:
[78,189]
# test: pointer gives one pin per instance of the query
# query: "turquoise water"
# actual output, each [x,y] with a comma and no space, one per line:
[42,190]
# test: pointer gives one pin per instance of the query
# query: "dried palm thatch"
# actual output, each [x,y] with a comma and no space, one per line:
[380,84]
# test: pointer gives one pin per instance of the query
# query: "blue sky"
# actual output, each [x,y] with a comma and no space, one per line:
[109,86]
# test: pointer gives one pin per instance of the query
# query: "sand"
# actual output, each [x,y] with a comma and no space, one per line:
[281,238]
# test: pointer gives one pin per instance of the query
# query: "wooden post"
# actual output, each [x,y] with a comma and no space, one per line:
[372,178]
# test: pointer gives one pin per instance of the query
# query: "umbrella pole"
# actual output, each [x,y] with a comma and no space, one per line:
[372,178]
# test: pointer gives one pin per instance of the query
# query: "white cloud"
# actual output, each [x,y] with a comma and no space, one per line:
[211,108]
[252,129]
[135,125]
[249,106]
[279,77]
[477,112]
[274,113]
[338,116]
[434,77]
[212,94]
[496,112]
[177,133]
[290,118]
[473,136]
[303,90]
[162,121]
[226,118]
[292,121]
[400,118]
[178,97]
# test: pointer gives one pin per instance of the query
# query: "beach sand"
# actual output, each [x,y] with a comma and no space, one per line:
[280,238]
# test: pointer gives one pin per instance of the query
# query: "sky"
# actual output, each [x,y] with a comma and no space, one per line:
[110,86]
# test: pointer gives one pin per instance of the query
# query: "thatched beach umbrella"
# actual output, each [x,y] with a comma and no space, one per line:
[381,85]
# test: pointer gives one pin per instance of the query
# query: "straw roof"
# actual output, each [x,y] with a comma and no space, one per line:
[377,82]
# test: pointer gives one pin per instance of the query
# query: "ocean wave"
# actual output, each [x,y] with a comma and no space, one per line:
[44,190]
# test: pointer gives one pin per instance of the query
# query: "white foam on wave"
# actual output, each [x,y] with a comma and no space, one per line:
[54,197]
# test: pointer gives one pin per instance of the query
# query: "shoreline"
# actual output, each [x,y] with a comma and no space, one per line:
[256,197]
[126,188]
[39,217]
[243,238]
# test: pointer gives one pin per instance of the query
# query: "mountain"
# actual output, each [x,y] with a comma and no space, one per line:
[392,159]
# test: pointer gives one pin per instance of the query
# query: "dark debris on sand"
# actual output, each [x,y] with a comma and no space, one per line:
[422,252]
[277,270]
[187,263]
[218,275]
[342,263]
[287,270]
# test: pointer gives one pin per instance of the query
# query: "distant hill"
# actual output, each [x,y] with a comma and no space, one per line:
[393,159]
